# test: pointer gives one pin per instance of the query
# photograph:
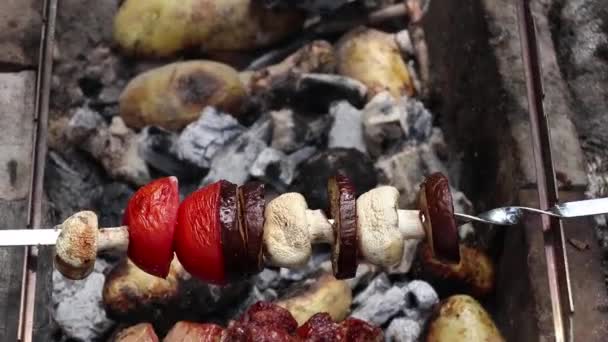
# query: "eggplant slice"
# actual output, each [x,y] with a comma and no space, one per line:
[437,216]
[233,238]
[343,207]
[251,220]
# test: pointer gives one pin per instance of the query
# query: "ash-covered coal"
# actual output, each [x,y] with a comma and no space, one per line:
[78,306]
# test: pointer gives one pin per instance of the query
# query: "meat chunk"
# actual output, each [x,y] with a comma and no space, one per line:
[189,331]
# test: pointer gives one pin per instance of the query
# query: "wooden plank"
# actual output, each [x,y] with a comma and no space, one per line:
[20,24]
[16,128]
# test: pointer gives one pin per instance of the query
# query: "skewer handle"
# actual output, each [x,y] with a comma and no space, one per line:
[29,237]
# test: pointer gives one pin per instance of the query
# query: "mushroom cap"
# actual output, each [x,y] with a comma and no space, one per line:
[76,247]
[286,236]
[380,239]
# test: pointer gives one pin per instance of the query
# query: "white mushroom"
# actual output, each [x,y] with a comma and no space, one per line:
[80,240]
[290,228]
[382,228]
[76,247]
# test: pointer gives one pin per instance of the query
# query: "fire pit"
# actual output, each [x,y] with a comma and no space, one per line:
[348,113]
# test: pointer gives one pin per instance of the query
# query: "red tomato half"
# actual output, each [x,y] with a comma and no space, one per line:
[151,215]
[198,242]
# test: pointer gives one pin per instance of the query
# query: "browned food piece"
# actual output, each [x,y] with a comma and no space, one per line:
[233,237]
[317,56]
[373,58]
[251,219]
[474,273]
[172,96]
[194,332]
[131,294]
[143,332]
[343,208]
[263,321]
[238,332]
[327,294]
[356,330]
[437,216]
[461,318]
[321,328]
[269,314]
[163,28]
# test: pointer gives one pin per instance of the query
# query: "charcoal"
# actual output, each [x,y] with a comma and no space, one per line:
[312,6]
[347,129]
[403,170]
[233,161]
[381,306]
[319,129]
[403,330]
[365,273]
[114,146]
[109,95]
[72,182]
[78,307]
[312,267]
[157,148]
[289,132]
[273,166]
[266,279]
[419,120]
[112,202]
[421,298]
[384,123]
[314,172]
[328,88]
[203,138]
[82,124]
[379,284]
[302,154]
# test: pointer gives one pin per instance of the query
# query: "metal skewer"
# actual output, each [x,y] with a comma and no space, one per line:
[504,216]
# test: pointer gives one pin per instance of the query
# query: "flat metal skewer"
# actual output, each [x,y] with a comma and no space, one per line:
[505,216]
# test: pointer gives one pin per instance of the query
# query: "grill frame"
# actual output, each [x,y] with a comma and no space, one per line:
[555,252]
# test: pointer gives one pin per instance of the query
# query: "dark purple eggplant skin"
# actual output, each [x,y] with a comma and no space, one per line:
[439,211]
[233,241]
[343,209]
[251,211]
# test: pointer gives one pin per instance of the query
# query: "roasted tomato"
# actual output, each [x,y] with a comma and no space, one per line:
[198,236]
[151,215]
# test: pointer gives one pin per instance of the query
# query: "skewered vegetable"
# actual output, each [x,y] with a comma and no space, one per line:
[221,235]
[151,215]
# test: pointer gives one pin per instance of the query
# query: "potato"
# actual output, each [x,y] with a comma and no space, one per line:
[327,294]
[162,28]
[373,58]
[474,274]
[128,291]
[173,95]
[461,318]
[142,332]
